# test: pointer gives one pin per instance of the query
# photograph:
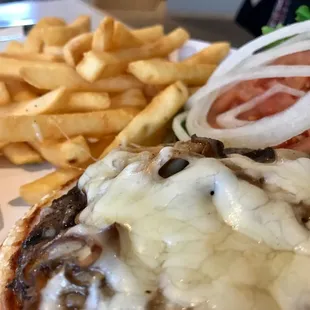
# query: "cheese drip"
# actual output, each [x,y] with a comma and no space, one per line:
[204,237]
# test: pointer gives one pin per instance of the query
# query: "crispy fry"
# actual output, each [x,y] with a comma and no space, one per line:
[123,38]
[30,56]
[5,97]
[193,90]
[21,153]
[52,102]
[129,98]
[213,54]
[74,50]
[88,101]
[94,124]
[162,108]
[158,72]
[14,47]
[98,147]
[34,42]
[153,90]
[20,91]
[33,192]
[96,65]
[53,75]
[10,67]
[60,35]
[67,153]
[56,51]
[103,35]
[149,34]
[117,84]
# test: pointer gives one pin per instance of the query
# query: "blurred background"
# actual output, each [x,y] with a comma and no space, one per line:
[208,20]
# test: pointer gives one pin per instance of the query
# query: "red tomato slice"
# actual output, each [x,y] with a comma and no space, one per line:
[247,90]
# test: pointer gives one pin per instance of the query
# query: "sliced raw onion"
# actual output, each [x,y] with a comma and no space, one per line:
[268,131]
[178,129]
[274,53]
[229,119]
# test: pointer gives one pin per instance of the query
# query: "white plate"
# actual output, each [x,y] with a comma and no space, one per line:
[12,177]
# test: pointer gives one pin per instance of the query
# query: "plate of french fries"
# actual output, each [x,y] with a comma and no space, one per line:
[70,94]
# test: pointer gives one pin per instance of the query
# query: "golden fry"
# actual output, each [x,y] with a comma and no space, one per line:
[129,98]
[30,56]
[60,35]
[74,50]
[52,102]
[193,90]
[5,97]
[52,76]
[117,84]
[20,91]
[154,117]
[21,153]
[34,42]
[96,65]
[14,47]
[67,153]
[123,37]
[153,90]
[160,72]
[55,51]
[149,34]
[33,192]
[42,127]
[103,35]
[10,67]
[213,54]
[88,101]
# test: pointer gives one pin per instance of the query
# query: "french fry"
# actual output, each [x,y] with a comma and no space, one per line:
[123,38]
[117,84]
[53,75]
[5,97]
[129,98]
[88,101]
[10,67]
[158,72]
[42,127]
[98,147]
[56,51]
[52,102]
[193,90]
[14,47]
[30,56]
[64,154]
[60,35]
[34,42]
[96,65]
[33,192]
[103,35]
[20,91]
[153,90]
[213,54]
[149,34]
[154,117]
[21,153]
[74,50]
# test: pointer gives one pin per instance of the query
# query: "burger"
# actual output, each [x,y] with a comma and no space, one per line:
[192,225]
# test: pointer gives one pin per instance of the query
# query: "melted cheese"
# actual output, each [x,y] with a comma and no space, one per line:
[204,237]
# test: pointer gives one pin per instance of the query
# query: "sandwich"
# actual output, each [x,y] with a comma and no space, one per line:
[191,225]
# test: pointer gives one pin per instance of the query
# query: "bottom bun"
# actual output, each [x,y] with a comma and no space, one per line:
[10,248]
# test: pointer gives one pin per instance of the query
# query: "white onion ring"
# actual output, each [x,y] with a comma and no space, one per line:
[178,129]
[242,65]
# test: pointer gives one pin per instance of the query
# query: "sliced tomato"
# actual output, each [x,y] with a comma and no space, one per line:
[247,90]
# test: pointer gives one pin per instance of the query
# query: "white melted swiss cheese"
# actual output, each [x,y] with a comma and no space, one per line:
[203,237]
